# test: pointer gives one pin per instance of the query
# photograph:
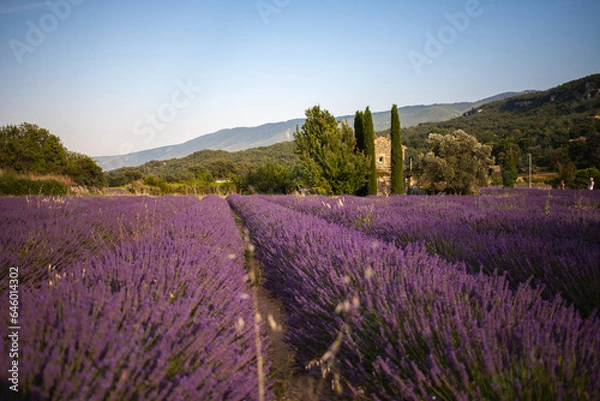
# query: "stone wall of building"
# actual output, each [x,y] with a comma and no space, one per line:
[383,161]
[383,154]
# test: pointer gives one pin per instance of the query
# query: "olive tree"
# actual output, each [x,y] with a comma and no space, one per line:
[456,163]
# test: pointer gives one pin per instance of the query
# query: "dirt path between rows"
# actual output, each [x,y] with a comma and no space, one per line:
[293,383]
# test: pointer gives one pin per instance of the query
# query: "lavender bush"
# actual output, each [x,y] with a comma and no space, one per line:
[412,325]
[152,306]
[54,232]
[550,237]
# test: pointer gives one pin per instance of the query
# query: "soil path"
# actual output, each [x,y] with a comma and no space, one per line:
[293,383]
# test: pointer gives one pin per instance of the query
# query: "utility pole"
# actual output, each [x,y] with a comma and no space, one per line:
[410,175]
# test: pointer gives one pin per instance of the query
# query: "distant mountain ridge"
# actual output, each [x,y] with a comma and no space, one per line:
[242,138]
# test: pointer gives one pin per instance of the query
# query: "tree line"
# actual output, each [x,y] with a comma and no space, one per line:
[326,157]
[337,160]
[34,161]
[559,129]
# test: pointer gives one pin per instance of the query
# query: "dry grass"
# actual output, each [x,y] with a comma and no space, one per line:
[63,179]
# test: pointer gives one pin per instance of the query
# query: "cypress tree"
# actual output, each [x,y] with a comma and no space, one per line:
[369,136]
[397,162]
[358,131]
[359,149]
[509,172]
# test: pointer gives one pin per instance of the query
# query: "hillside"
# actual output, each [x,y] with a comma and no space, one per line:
[217,163]
[533,123]
[242,138]
[545,124]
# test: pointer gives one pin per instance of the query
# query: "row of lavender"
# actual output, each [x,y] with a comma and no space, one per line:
[129,298]
[55,232]
[401,323]
[552,238]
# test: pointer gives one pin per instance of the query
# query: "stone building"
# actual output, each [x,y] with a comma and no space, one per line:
[383,162]
[383,154]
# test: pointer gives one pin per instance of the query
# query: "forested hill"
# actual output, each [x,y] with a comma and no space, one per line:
[566,117]
[216,163]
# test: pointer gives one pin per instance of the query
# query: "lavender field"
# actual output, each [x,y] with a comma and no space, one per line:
[489,297]
[388,296]
[129,298]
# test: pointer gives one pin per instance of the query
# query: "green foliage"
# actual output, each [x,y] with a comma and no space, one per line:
[560,161]
[124,176]
[158,183]
[329,163]
[84,171]
[13,184]
[150,185]
[267,179]
[218,164]
[29,149]
[456,163]
[585,150]
[359,132]
[582,178]
[535,122]
[397,156]
[369,133]
[509,172]
[361,147]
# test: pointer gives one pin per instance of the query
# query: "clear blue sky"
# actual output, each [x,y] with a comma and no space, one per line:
[113,76]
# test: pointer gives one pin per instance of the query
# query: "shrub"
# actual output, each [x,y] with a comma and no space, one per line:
[13,184]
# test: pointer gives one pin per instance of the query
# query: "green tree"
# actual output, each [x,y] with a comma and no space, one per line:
[509,172]
[200,173]
[157,186]
[360,148]
[223,168]
[369,136]
[123,176]
[358,132]
[84,170]
[593,150]
[266,179]
[456,163]
[329,163]
[28,148]
[397,162]
[560,161]
[583,176]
